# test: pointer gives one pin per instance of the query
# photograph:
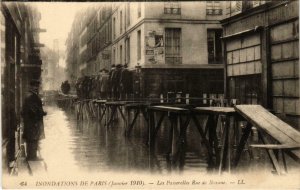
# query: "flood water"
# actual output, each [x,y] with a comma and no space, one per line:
[89,146]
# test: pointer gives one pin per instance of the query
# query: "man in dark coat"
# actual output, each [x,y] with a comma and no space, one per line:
[32,113]
[104,77]
[110,80]
[126,83]
[116,81]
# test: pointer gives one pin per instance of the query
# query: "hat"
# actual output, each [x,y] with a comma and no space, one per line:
[119,66]
[34,82]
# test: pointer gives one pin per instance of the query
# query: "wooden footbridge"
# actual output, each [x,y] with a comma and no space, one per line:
[222,135]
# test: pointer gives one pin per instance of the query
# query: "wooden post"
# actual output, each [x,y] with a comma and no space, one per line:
[151,125]
[242,143]
[175,120]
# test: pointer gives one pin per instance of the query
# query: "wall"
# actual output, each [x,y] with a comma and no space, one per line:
[133,48]
[193,40]
[277,59]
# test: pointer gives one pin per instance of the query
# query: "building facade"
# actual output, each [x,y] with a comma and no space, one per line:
[88,44]
[167,33]
[175,45]
[20,63]
[162,39]
[262,56]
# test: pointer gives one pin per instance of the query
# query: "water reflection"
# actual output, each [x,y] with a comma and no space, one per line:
[89,146]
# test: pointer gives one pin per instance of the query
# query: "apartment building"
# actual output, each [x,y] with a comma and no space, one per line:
[98,38]
[172,45]
[88,44]
[76,46]
[169,33]
[176,44]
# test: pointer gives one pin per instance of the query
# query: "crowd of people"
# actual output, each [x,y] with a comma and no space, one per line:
[116,84]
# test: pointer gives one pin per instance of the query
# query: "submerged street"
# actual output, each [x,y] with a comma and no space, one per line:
[90,147]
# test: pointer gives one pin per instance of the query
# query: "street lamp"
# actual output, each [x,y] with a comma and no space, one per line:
[138,68]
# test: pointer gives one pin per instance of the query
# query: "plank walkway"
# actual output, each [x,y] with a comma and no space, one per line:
[272,125]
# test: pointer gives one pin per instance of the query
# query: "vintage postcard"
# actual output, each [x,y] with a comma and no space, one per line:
[150,95]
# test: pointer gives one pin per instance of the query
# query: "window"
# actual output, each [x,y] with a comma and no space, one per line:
[127,50]
[128,14]
[214,46]
[114,29]
[213,8]
[173,45]
[114,56]
[139,10]
[121,54]
[99,17]
[246,89]
[139,45]
[103,12]
[121,22]
[172,8]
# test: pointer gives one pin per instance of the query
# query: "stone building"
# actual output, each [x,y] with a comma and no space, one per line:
[173,46]
[88,44]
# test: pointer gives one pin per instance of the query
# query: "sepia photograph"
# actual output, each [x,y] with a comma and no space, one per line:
[150,95]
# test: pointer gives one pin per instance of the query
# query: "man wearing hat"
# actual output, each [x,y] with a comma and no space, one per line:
[110,80]
[32,113]
[116,81]
[126,83]
[104,77]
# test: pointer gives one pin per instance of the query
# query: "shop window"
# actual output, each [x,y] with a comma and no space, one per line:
[214,46]
[246,89]
[172,8]
[173,46]
[213,8]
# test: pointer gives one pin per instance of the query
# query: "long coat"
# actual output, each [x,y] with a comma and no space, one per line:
[104,78]
[126,81]
[32,113]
